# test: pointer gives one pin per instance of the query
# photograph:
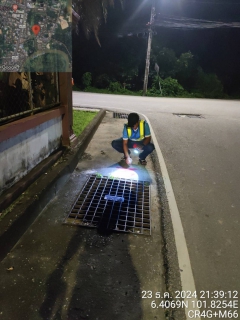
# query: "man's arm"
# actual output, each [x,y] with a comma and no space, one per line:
[125,148]
[146,140]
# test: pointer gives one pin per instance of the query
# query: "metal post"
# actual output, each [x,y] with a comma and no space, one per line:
[158,77]
[145,84]
[159,83]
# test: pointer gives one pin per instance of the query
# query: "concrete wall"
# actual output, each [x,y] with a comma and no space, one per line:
[18,155]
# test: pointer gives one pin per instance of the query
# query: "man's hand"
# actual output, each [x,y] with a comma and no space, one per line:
[128,160]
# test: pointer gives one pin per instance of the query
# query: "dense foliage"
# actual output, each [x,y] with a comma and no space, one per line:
[89,14]
[115,63]
[178,76]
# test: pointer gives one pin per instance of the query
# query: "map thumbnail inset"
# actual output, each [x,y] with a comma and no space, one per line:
[35,36]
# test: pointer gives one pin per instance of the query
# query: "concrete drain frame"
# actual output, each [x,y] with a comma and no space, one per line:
[120,115]
[113,204]
[188,115]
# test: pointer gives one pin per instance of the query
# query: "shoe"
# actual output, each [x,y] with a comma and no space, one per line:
[142,162]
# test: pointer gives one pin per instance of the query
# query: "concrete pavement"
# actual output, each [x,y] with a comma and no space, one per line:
[202,157]
[59,271]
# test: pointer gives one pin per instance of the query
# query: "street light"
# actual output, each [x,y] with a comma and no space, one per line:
[149,48]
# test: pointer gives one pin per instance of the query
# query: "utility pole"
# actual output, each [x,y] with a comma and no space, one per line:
[145,84]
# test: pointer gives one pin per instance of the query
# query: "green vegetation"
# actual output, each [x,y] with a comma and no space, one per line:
[87,79]
[47,62]
[81,119]
[108,91]
[121,71]
[1,39]
[103,80]
[60,47]
[33,18]
[29,46]
[64,36]
[51,13]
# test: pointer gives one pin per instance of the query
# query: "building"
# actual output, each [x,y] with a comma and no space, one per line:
[35,120]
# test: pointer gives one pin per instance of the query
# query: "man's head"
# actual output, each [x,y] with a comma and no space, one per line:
[133,120]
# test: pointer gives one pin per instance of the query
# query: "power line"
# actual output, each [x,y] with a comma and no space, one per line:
[210,2]
[176,22]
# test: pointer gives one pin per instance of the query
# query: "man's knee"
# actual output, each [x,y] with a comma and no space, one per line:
[115,144]
[149,147]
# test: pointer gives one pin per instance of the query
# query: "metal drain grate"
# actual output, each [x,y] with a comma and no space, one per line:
[120,115]
[189,115]
[113,204]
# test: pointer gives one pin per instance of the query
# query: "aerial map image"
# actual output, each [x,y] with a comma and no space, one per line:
[35,35]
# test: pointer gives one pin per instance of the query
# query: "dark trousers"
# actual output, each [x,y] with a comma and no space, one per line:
[146,150]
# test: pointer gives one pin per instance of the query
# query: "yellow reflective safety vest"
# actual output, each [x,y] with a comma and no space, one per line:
[141,130]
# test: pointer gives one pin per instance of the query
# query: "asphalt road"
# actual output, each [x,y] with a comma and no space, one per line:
[203,162]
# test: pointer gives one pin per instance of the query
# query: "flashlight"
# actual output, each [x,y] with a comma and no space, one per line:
[135,148]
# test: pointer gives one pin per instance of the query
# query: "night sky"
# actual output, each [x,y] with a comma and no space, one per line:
[209,29]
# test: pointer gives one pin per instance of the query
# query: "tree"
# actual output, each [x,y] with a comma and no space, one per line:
[170,88]
[187,70]
[209,85]
[115,87]
[102,81]
[167,61]
[51,13]
[90,13]
[87,79]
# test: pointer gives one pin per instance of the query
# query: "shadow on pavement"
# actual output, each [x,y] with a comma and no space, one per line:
[105,285]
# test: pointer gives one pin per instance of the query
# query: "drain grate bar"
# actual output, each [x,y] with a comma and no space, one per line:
[97,201]
[113,204]
[120,115]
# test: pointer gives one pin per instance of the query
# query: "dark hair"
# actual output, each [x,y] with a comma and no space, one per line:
[133,118]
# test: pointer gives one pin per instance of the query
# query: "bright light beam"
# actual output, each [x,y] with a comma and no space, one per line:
[125,174]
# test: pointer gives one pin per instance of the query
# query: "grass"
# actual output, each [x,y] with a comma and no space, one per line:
[81,119]
[107,91]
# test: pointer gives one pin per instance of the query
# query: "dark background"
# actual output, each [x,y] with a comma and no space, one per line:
[124,38]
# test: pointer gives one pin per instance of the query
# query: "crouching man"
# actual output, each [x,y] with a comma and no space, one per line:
[136,134]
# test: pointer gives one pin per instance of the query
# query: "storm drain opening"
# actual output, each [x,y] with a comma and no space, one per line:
[120,115]
[121,205]
[189,115]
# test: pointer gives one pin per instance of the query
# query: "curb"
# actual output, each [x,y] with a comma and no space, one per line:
[26,209]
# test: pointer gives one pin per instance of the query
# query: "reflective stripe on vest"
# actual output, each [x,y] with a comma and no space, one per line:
[141,130]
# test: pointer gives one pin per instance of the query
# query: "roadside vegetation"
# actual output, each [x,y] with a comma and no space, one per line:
[81,119]
[179,76]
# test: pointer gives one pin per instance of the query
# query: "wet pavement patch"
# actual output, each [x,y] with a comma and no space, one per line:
[120,115]
[111,204]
